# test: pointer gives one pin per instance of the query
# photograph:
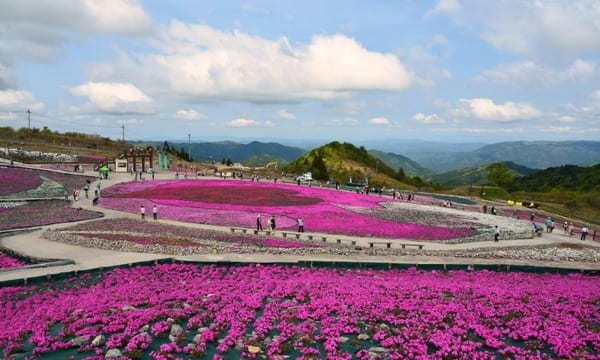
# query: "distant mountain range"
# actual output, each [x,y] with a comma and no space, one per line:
[397,162]
[476,175]
[568,177]
[254,153]
[533,154]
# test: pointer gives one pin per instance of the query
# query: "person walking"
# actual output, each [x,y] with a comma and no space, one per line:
[143,212]
[496,233]
[154,212]
[566,227]
[272,221]
[86,188]
[258,223]
[584,232]
[548,225]
[532,217]
[300,225]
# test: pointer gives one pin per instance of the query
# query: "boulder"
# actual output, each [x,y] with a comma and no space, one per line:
[99,340]
[113,354]
[80,340]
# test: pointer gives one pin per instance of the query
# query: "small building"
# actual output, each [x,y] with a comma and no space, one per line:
[121,165]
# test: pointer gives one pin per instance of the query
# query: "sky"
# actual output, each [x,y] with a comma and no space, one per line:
[445,70]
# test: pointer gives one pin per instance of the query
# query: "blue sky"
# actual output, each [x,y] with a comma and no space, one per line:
[445,70]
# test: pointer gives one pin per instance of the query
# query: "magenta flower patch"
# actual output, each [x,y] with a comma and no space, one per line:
[237,203]
[276,312]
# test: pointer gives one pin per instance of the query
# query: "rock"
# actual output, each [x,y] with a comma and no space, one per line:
[176,330]
[186,305]
[192,346]
[197,339]
[113,354]
[202,329]
[80,340]
[128,308]
[253,349]
[145,328]
[99,340]
[343,339]
[363,337]
[378,350]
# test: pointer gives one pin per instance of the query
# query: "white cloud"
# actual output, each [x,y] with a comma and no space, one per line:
[269,123]
[529,72]
[19,100]
[190,114]
[444,7]
[560,129]
[130,122]
[486,109]
[201,63]
[242,122]
[566,119]
[345,122]
[284,114]
[89,16]
[428,119]
[115,98]
[379,121]
[564,26]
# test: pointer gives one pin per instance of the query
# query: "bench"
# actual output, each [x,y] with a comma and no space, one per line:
[415,245]
[387,244]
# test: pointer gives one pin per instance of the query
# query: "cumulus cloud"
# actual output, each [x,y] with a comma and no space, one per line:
[200,63]
[529,72]
[284,114]
[190,114]
[444,7]
[115,98]
[242,122]
[379,121]
[486,109]
[524,27]
[17,100]
[88,16]
[345,122]
[428,119]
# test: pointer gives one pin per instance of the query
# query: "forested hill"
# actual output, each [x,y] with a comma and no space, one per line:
[568,177]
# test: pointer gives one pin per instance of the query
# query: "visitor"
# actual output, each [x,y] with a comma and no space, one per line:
[571,229]
[337,185]
[176,175]
[548,225]
[143,212]
[154,212]
[394,194]
[300,225]
[66,195]
[566,227]
[537,228]
[258,223]
[485,209]
[86,188]
[496,233]
[95,201]
[532,217]
[272,223]
[551,225]
[494,210]
[152,172]
[584,232]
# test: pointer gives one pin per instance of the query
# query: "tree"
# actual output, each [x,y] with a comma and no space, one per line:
[229,163]
[401,174]
[499,175]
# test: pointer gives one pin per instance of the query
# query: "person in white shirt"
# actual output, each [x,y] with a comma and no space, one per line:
[155,212]
[584,232]
[143,212]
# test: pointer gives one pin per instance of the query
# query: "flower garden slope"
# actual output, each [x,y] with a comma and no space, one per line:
[43,212]
[237,203]
[181,311]
[20,183]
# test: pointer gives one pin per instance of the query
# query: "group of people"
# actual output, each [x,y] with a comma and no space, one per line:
[154,212]
[492,210]
[271,223]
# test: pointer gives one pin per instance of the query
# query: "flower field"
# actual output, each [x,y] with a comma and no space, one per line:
[278,312]
[9,262]
[43,212]
[33,183]
[237,203]
[144,236]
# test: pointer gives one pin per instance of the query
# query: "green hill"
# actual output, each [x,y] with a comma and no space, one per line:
[475,175]
[533,154]
[396,161]
[568,177]
[344,161]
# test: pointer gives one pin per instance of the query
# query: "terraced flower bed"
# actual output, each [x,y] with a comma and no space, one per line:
[184,311]
[9,262]
[43,212]
[22,183]
[135,235]
[237,203]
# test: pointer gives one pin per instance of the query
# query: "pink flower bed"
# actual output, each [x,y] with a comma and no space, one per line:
[16,180]
[8,262]
[277,311]
[237,203]
[43,212]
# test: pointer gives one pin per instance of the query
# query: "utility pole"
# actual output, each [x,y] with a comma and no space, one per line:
[190,146]
[29,119]
[123,127]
